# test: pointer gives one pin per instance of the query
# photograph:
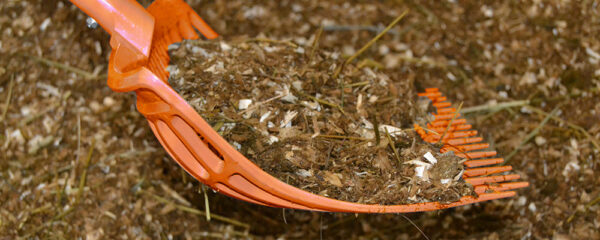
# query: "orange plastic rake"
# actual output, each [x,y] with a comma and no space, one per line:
[140,38]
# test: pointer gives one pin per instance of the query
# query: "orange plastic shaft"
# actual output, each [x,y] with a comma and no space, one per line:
[101,11]
[128,23]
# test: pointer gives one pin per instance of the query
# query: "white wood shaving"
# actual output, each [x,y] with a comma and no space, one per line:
[244,104]
[430,158]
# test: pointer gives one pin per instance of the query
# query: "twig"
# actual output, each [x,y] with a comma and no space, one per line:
[315,45]
[47,223]
[495,107]
[593,202]
[183,176]
[291,44]
[64,213]
[321,101]
[342,95]
[341,221]
[430,15]
[366,46]
[41,209]
[571,125]
[30,118]
[391,143]
[422,61]
[218,235]
[83,73]
[83,178]
[587,206]
[395,228]
[376,129]
[428,130]
[8,97]
[175,195]
[342,137]
[491,113]
[357,84]
[358,28]
[321,226]
[367,62]
[214,117]
[253,106]
[433,63]
[78,138]
[530,136]
[61,193]
[450,122]
[198,212]
[218,126]
[206,204]
[565,96]
[415,225]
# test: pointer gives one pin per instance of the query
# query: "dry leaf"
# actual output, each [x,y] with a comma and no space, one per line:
[334,179]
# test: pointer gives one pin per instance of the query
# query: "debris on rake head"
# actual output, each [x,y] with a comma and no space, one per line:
[463,141]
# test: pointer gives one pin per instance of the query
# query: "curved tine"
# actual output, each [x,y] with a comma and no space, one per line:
[162,47]
[475,155]
[500,187]
[187,30]
[232,193]
[242,185]
[447,116]
[444,123]
[481,198]
[439,99]
[497,195]
[478,146]
[174,36]
[452,128]
[474,172]
[476,181]
[430,95]
[483,162]
[442,104]
[449,110]
[199,24]
[462,141]
[465,148]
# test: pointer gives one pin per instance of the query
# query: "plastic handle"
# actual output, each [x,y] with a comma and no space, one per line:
[128,23]
[101,11]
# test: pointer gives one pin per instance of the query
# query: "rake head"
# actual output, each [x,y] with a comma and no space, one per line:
[459,138]
[205,155]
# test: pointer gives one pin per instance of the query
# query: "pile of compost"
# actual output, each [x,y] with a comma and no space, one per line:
[346,138]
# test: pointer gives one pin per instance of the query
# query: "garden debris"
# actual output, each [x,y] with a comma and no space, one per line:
[285,121]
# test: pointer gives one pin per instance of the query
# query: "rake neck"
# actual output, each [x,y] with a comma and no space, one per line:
[129,25]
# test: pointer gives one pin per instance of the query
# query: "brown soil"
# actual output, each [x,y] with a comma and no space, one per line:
[476,52]
[282,110]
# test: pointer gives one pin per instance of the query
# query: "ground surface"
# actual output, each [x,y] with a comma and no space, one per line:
[545,52]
